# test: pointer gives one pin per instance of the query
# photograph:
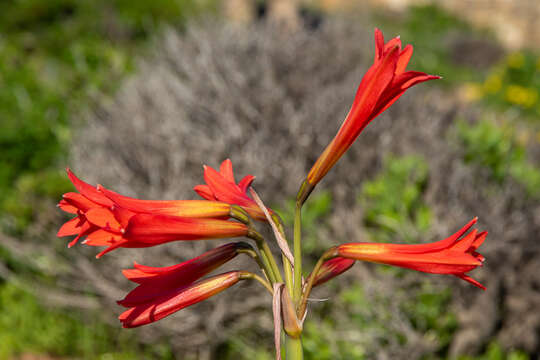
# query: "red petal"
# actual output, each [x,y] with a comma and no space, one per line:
[223,189]
[404,58]
[398,87]
[464,244]
[205,192]
[88,190]
[86,228]
[226,170]
[79,201]
[177,300]
[479,240]
[392,43]
[103,218]
[72,227]
[471,280]
[246,182]
[102,237]
[379,44]
[65,206]
[332,268]
[153,229]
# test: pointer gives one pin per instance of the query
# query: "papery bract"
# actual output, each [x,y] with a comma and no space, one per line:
[170,300]
[221,186]
[384,82]
[455,255]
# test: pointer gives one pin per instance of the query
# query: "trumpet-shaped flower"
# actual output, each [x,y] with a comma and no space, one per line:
[221,186]
[169,299]
[384,82]
[102,213]
[158,281]
[455,255]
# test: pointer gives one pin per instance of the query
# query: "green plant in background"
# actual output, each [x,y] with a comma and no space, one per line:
[497,148]
[495,352]
[513,83]
[434,31]
[56,56]
[27,327]
[392,202]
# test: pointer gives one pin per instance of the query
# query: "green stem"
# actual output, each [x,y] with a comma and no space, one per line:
[297,290]
[329,254]
[251,252]
[249,275]
[287,267]
[272,260]
[293,348]
[267,256]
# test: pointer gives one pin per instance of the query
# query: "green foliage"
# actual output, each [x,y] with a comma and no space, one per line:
[392,202]
[431,28]
[27,327]
[55,56]
[495,352]
[429,313]
[497,148]
[314,212]
[513,83]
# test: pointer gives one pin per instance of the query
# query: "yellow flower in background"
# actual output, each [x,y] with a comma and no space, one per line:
[472,92]
[493,83]
[515,60]
[522,96]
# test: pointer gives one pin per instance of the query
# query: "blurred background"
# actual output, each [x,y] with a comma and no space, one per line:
[138,94]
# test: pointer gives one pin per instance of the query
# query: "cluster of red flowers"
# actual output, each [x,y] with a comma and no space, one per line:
[108,219]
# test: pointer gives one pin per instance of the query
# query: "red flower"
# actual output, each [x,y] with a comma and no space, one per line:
[384,82]
[140,223]
[453,255]
[171,299]
[159,281]
[221,186]
[332,268]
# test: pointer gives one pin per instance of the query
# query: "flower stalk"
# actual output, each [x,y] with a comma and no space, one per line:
[106,218]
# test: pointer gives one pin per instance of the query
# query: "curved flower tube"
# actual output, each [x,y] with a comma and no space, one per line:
[174,298]
[384,82]
[221,186]
[91,198]
[455,255]
[121,228]
[157,281]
